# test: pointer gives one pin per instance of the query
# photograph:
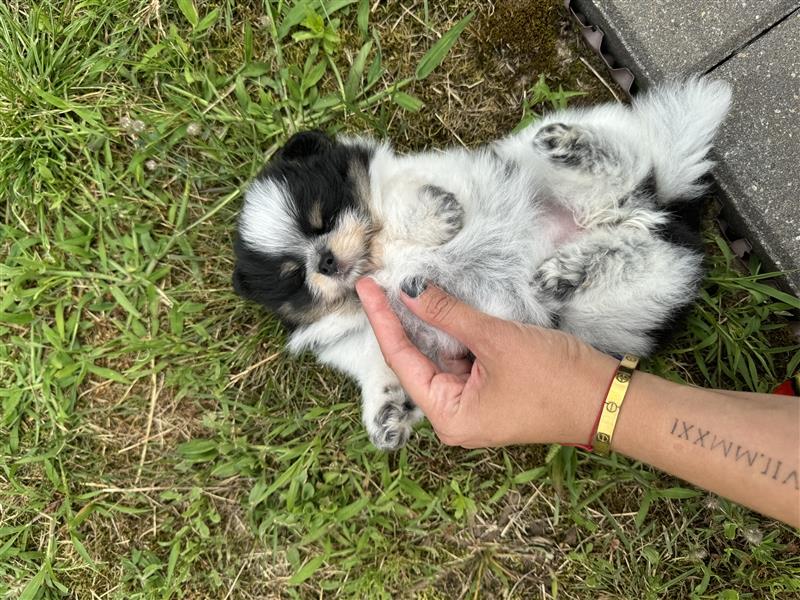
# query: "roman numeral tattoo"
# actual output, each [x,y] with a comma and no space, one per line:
[766,465]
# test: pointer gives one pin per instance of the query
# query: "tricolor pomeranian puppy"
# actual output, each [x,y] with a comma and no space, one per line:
[586,221]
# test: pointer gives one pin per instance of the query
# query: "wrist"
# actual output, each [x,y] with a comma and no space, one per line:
[646,400]
[589,392]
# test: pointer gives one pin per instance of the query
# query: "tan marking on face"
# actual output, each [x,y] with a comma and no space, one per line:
[349,242]
[315,216]
[288,268]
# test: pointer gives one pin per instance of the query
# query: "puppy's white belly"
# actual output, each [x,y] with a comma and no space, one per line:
[562,226]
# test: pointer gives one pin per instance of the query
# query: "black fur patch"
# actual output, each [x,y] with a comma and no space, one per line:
[304,144]
[648,186]
[645,192]
[685,214]
[258,277]
[316,171]
[686,218]
[684,226]
[684,229]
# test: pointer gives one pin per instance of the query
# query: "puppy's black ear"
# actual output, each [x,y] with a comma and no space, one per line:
[305,143]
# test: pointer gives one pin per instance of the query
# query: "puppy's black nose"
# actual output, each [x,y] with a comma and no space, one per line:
[327,263]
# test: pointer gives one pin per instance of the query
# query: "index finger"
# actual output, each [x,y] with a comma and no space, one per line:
[414,370]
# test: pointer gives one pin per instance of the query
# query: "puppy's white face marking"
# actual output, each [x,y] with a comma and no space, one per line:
[267,223]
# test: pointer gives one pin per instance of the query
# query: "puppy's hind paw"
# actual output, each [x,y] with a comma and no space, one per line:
[391,427]
[568,145]
[555,136]
[560,279]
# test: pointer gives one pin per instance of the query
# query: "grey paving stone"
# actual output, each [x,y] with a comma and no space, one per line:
[759,145]
[664,38]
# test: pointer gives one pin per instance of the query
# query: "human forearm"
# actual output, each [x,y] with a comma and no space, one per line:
[744,447]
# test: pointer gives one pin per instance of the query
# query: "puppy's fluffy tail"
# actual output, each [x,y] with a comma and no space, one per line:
[680,120]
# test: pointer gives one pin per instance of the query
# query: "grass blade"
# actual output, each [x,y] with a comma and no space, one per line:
[108,374]
[306,571]
[124,302]
[189,11]
[434,57]
[408,102]
[363,18]
[31,590]
[356,72]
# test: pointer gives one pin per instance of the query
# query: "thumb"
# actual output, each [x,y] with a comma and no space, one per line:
[474,329]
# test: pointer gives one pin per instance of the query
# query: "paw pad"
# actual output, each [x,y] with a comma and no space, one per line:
[392,425]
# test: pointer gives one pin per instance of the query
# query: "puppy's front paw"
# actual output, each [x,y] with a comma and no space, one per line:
[391,426]
[414,286]
[446,213]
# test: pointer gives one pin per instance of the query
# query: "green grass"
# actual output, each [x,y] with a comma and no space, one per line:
[155,439]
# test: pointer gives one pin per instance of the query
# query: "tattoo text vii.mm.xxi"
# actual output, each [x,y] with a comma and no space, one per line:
[765,465]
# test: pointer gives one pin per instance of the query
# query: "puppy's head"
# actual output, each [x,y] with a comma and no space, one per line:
[304,231]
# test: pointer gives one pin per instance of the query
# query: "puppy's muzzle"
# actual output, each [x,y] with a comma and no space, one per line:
[327,263]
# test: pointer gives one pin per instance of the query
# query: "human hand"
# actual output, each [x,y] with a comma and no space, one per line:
[526,385]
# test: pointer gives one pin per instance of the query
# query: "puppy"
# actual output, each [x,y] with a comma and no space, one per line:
[587,221]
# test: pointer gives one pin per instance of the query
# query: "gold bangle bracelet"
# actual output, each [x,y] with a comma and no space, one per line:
[613,403]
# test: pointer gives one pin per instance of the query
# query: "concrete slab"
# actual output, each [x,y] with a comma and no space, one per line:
[657,39]
[759,145]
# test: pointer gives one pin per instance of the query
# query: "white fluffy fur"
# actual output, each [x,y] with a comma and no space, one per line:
[270,225]
[530,224]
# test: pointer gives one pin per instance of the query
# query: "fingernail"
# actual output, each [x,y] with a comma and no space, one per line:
[413,287]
